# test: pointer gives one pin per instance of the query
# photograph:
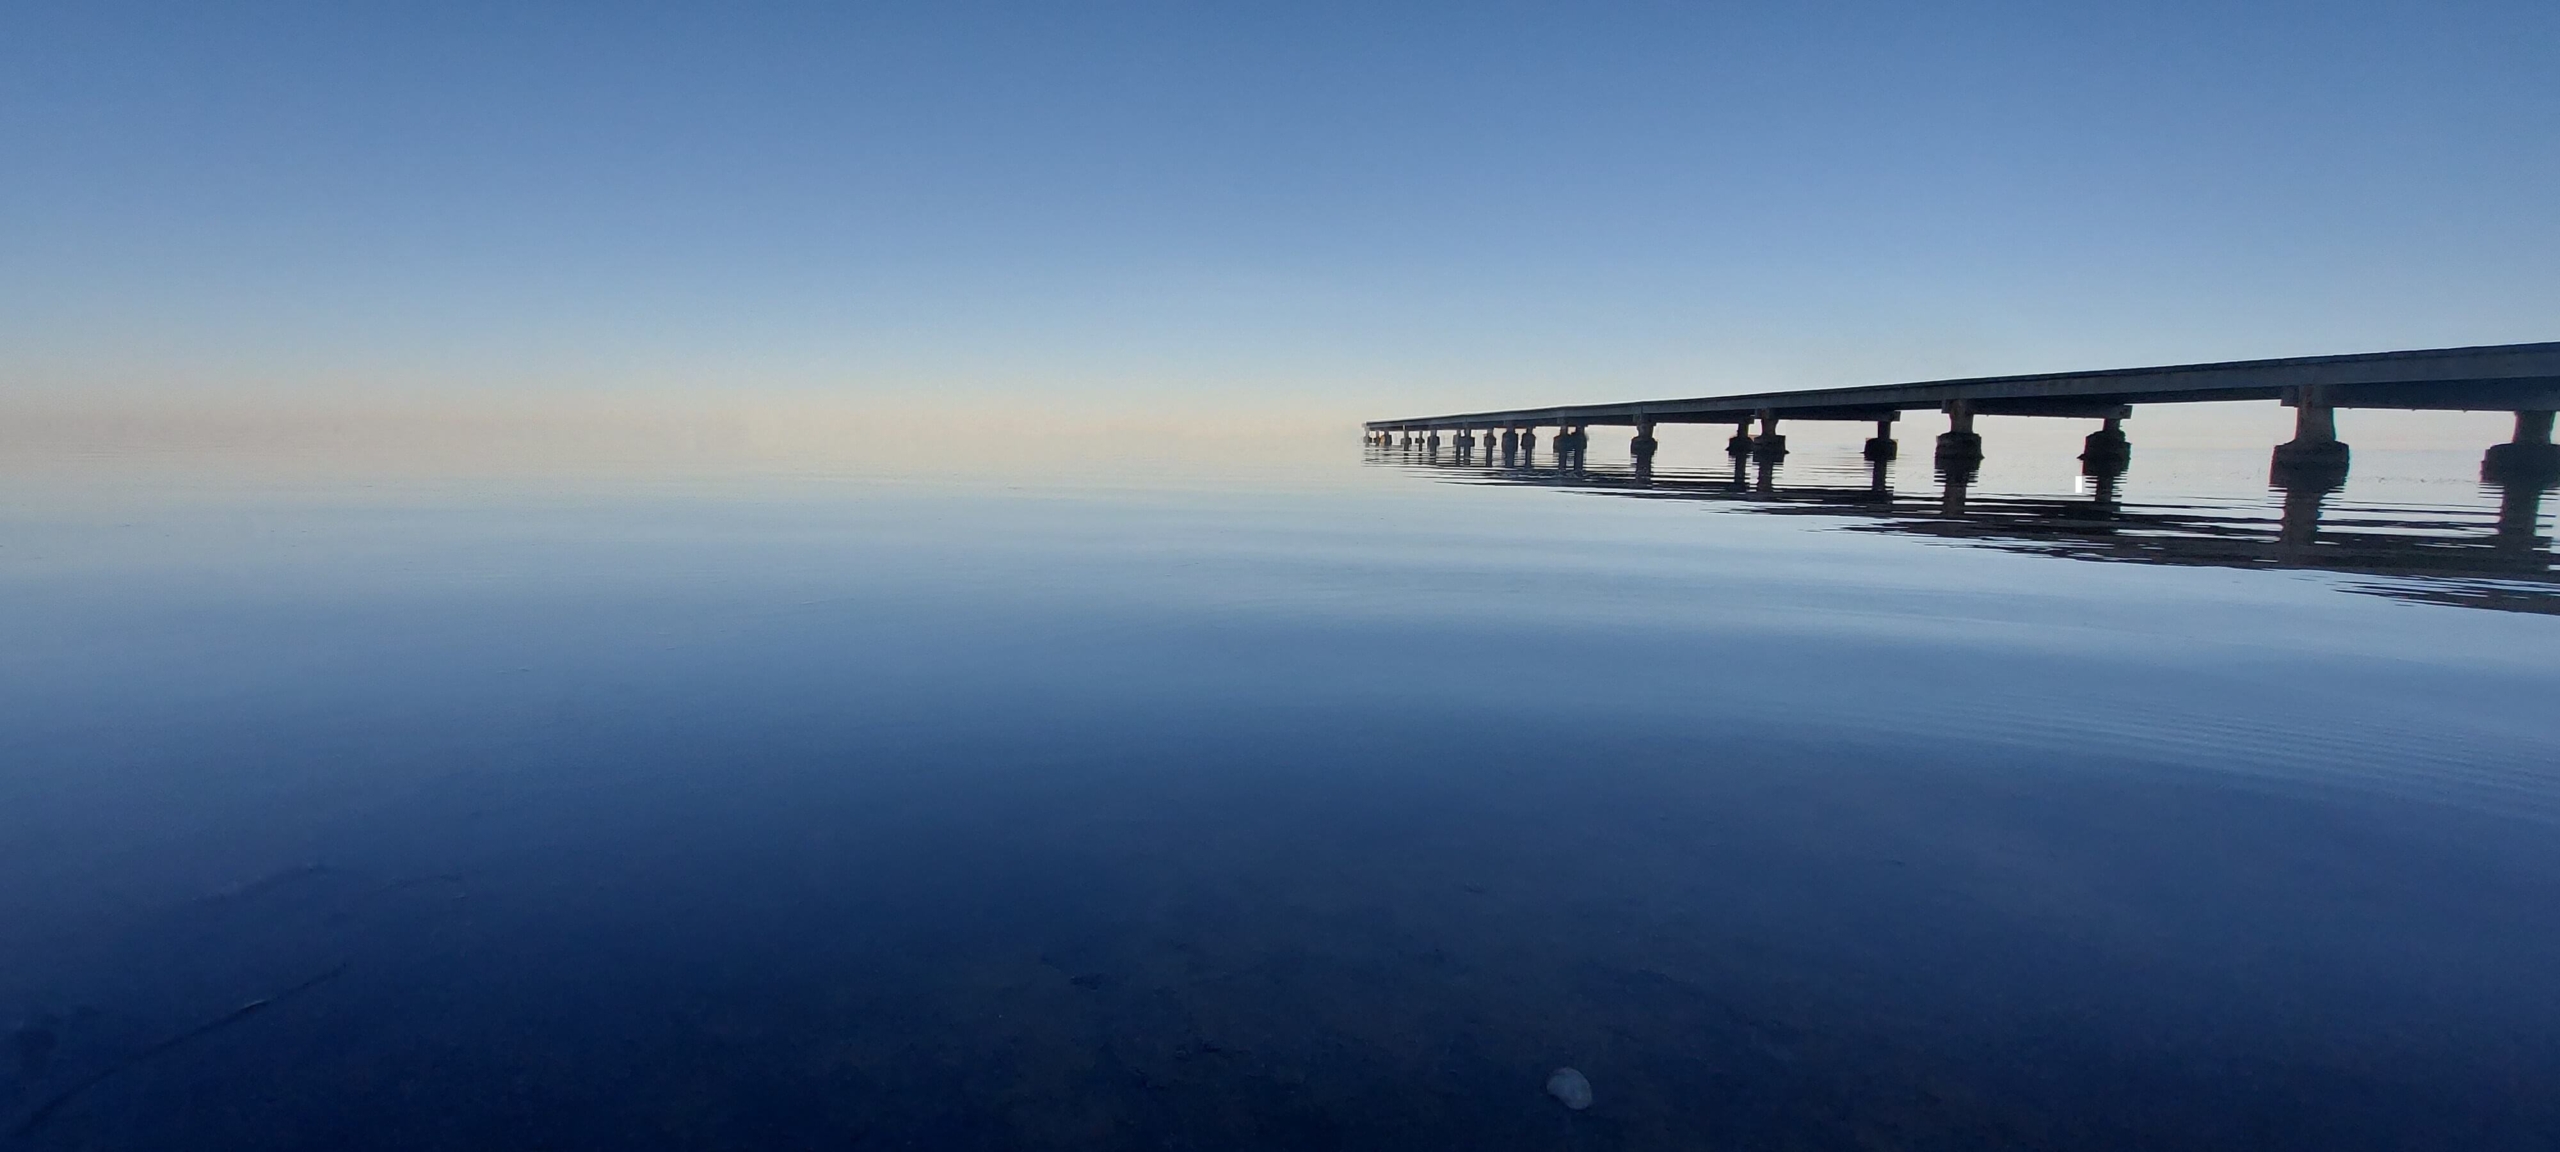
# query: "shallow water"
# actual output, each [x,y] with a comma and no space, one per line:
[1327,798]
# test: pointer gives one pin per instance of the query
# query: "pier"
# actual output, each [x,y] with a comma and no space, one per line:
[2520,378]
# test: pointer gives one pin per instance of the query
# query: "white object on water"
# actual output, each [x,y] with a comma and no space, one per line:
[1571,1087]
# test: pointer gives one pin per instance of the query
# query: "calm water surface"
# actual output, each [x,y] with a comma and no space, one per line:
[1324,800]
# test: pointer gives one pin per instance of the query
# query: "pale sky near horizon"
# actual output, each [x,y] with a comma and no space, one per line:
[1348,209]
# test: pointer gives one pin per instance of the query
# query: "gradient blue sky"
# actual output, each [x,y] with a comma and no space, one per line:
[1322,208]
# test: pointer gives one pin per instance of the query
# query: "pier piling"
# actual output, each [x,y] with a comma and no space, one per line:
[2315,456]
[2106,451]
[2529,459]
[1769,445]
[1880,447]
[1959,444]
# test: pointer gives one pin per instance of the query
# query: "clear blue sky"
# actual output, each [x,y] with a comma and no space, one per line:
[1328,207]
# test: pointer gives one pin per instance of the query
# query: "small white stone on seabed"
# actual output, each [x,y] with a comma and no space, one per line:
[1571,1087]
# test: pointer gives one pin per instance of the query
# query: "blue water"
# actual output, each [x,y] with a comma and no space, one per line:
[1326,798]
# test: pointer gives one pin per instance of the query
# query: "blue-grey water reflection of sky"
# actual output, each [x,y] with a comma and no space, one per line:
[1251,796]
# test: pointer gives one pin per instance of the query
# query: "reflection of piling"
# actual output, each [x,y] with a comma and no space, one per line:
[2103,495]
[2428,560]
[2520,518]
[2299,527]
[1952,483]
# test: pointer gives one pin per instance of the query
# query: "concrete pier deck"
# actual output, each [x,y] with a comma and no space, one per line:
[2503,377]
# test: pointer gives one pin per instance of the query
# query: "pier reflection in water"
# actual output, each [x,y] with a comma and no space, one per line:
[2489,553]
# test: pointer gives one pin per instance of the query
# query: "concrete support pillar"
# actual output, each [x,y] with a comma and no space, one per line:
[1644,443]
[2314,457]
[1740,445]
[1769,445]
[2530,460]
[2106,451]
[1880,447]
[1434,442]
[2315,423]
[1529,438]
[1510,440]
[1959,445]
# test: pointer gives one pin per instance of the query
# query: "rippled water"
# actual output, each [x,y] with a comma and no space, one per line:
[1330,798]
